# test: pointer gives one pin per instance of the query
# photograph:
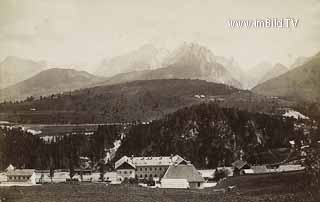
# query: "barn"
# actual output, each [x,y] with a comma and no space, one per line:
[182,176]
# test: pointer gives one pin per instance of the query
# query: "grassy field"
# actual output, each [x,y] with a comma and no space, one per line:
[249,189]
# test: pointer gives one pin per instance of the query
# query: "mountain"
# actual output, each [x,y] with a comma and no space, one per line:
[138,100]
[14,70]
[276,70]
[48,82]
[257,72]
[234,68]
[301,83]
[299,61]
[144,58]
[189,61]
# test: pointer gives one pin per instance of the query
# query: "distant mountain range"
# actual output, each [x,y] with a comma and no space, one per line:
[48,82]
[14,70]
[189,61]
[18,78]
[300,83]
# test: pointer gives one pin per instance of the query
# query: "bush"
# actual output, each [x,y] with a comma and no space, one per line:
[312,164]
[220,174]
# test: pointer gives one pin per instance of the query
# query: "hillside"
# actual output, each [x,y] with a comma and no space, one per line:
[139,100]
[49,81]
[189,61]
[14,70]
[301,83]
[276,70]
[211,136]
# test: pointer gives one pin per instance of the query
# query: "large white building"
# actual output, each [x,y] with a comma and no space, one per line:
[145,167]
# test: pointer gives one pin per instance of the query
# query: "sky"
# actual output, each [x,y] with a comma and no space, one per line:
[83,32]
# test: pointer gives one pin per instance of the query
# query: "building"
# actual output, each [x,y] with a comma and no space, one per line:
[208,175]
[239,167]
[21,177]
[182,176]
[3,177]
[145,167]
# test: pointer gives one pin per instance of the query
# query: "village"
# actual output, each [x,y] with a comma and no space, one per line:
[153,172]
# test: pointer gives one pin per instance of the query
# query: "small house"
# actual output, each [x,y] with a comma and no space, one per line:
[239,167]
[21,176]
[182,176]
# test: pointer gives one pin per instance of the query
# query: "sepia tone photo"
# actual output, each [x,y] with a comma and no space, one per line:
[159,101]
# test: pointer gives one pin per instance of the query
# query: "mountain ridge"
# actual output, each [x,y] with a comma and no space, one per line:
[49,81]
[301,83]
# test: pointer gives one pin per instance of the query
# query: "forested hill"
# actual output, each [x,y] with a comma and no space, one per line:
[205,134]
[211,136]
[139,100]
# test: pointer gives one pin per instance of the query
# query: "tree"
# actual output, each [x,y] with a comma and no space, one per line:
[312,164]
[102,169]
[51,174]
[71,169]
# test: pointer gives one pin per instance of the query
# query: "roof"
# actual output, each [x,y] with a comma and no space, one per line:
[20,172]
[188,172]
[150,161]
[126,165]
[207,173]
[239,164]
[10,167]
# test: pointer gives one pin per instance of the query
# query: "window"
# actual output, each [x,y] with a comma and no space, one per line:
[146,169]
[141,175]
[150,168]
[155,175]
[155,168]
[140,169]
[160,168]
[145,175]
[130,172]
[125,172]
[119,172]
[198,184]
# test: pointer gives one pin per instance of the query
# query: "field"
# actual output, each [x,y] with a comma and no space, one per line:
[279,188]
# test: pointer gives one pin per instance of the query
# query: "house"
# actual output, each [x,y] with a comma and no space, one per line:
[21,177]
[145,167]
[208,175]
[239,167]
[182,176]
[3,177]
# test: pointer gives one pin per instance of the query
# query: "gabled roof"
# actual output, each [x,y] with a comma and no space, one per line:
[10,167]
[126,165]
[188,172]
[239,164]
[150,161]
[20,172]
